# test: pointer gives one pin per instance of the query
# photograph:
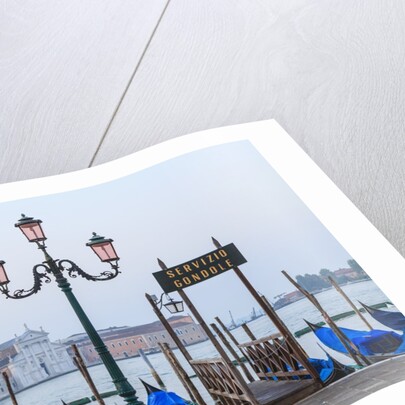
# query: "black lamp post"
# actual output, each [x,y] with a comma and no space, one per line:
[104,249]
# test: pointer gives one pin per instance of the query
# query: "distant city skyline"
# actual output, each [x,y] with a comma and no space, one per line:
[169,211]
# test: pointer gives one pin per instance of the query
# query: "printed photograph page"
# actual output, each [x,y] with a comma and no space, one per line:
[221,267]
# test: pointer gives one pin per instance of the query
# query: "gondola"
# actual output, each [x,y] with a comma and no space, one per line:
[157,396]
[375,345]
[330,370]
[394,320]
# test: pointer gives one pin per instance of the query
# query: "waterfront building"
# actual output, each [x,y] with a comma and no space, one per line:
[124,342]
[31,358]
[349,273]
[288,298]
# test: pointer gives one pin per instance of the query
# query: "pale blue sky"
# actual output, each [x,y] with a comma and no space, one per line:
[168,211]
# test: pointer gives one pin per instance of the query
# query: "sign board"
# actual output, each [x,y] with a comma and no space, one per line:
[200,269]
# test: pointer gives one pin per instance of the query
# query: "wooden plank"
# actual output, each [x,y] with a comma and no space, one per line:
[328,71]
[261,340]
[63,69]
[282,392]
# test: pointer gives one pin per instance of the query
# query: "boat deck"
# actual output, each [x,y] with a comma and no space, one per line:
[360,384]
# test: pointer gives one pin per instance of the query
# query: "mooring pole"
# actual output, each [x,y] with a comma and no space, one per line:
[279,324]
[177,342]
[224,355]
[201,321]
[152,369]
[205,327]
[9,388]
[248,331]
[266,301]
[352,349]
[79,363]
[233,352]
[179,371]
[236,374]
[349,301]
[230,335]
[226,330]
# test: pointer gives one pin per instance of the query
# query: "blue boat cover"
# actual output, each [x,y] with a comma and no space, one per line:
[165,398]
[394,320]
[368,342]
[323,367]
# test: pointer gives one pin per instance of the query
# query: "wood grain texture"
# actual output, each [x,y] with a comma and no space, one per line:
[63,68]
[330,72]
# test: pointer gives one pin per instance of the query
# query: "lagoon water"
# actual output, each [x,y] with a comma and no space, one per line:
[72,386]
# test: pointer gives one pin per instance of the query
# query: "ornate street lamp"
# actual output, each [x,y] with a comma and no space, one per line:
[104,249]
[173,306]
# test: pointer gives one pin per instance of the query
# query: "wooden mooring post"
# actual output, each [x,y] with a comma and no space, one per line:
[247,330]
[152,369]
[227,331]
[349,301]
[230,335]
[201,321]
[79,363]
[9,388]
[351,348]
[277,321]
[177,342]
[206,329]
[233,352]
[223,354]
[179,371]
[221,351]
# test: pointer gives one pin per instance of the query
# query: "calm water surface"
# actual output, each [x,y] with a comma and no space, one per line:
[72,386]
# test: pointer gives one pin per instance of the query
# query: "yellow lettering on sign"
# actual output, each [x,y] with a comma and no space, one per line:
[222,253]
[170,273]
[178,284]
[213,270]
[228,263]
[186,281]
[187,268]
[196,277]
[205,273]
[178,271]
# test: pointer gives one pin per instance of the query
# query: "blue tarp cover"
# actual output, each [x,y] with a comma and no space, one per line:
[165,398]
[394,320]
[368,342]
[323,367]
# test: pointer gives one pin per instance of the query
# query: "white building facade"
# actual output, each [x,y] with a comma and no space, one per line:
[32,359]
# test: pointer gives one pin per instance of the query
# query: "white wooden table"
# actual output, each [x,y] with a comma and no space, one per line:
[85,82]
